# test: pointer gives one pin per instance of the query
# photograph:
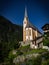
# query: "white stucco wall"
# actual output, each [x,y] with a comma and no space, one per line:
[29,37]
[24,24]
[36,33]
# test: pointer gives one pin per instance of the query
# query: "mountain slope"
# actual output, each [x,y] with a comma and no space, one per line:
[8,29]
[10,35]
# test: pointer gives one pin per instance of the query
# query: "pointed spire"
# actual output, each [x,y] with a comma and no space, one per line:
[26,12]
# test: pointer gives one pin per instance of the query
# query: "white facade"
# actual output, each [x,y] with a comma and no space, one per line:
[29,37]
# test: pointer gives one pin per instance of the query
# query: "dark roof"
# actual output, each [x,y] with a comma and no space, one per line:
[30,26]
[45,27]
[33,27]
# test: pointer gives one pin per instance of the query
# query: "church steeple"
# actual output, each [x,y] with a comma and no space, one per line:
[26,12]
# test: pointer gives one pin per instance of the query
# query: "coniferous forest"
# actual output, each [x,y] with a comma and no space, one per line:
[10,35]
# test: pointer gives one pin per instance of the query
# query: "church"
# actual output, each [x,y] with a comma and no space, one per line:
[31,34]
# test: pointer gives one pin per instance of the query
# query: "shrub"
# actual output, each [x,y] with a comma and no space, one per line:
[19,52]
[34,61]
[45,55]
[45,62]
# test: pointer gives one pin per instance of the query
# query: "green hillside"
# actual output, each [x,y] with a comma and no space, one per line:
[10,35]
[46,39]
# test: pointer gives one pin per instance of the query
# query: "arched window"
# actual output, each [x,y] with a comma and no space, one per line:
[27,32]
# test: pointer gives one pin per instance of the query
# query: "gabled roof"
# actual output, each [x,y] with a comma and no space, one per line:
[46,27]
[29,25]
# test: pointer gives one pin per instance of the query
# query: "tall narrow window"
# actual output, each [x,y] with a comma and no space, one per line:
[29,32]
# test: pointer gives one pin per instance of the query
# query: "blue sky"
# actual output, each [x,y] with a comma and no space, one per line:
[37,10]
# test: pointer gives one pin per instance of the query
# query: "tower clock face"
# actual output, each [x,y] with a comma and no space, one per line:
[25,22]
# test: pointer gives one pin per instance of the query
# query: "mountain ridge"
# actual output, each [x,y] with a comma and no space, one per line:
[7,28]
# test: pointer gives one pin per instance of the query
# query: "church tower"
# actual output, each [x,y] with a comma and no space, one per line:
[31,35]
[25,22]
